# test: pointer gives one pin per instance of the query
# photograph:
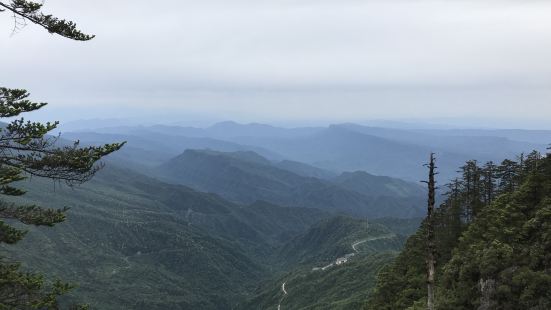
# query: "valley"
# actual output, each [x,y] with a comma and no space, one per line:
[221,225]
[158,245]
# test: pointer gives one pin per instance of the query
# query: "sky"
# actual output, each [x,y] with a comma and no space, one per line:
[481,62]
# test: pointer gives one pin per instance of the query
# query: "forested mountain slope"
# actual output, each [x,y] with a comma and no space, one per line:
[339,288]
[493,238]
[368,184]
[332,238]
[305,169]
[132,242]
[316,282]
[244,177]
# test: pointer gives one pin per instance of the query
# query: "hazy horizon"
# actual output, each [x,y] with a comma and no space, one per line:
[441,124]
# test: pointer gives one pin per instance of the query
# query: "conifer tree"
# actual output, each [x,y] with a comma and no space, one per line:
[472,188]
[24,11]
[508,173]
[431,249]
[531,163]
[452,213]
[489,176]
[26,150]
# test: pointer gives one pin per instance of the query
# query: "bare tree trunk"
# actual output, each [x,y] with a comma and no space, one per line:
[487,290]
[430,234]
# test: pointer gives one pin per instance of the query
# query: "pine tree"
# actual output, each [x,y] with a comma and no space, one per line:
[431,255]
[28,11]
[531,163]
[452,217]
[489,177]
[26,150]
[508,173]
[473,189]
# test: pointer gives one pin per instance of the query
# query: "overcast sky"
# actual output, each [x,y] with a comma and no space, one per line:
[296,60]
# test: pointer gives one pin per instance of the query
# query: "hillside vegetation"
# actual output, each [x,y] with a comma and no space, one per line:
[246,177]
[314,281]
[131,241]
[493,243]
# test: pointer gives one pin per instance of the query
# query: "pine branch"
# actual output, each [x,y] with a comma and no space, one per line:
[10,235]
[32,11]
[14,102]
[33,215]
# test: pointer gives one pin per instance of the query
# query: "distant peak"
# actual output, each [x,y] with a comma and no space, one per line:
[225,124]
[248,156]
[357,172]
[236,124]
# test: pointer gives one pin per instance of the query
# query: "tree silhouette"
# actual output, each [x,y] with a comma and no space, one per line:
[431,248]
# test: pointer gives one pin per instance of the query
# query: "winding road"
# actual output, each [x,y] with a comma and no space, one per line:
[355,244]
[354,247]
[284,294]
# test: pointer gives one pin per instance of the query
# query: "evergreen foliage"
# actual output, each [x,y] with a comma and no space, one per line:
[24,11]
[26,150]
[492,242]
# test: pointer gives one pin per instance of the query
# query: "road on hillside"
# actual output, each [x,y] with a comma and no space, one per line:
[355,244]
[354,247]
[284,294]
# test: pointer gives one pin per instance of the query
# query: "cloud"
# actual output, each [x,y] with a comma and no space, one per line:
[256,54]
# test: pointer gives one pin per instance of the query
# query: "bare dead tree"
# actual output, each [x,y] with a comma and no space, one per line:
[430,259]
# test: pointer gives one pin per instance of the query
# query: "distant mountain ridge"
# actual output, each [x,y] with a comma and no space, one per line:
[151,149]
[481,143]
[221,130]
[337,148]
[340,149]
[237,178]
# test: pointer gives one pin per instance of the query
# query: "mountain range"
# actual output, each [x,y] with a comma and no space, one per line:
[246,177]
[222,217]
[338,148]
